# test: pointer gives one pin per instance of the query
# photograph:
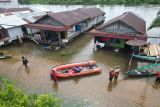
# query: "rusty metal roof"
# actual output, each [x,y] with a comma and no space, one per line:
[1,1]
[92,12]
[9,10]
[130,19]
[66,18]
[72,17]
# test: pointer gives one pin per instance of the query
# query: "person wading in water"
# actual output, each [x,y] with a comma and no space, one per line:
[24,61]
[111,75]
[116,73]
[54,76]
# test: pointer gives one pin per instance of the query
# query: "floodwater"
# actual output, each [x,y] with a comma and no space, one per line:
[88,91]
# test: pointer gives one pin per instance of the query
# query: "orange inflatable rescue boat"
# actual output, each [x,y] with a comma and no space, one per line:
[75,69]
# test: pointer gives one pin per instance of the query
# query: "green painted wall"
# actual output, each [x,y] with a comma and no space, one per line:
[118,43]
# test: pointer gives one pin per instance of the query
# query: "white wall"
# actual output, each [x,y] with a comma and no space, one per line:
[71,32]
[14,32]
[33,30]
[99,19]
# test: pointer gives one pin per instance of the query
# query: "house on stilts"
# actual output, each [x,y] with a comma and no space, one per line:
[57,29]
[115,32]
[12,21]
[10,28]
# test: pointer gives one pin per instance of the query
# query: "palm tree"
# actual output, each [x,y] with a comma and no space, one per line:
[156,22]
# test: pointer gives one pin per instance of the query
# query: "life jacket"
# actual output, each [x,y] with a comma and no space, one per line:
[111,73]
[158,74]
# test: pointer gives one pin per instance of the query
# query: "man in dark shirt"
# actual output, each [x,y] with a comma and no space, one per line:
[24,61]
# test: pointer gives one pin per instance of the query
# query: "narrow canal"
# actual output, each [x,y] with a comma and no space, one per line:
[88,91]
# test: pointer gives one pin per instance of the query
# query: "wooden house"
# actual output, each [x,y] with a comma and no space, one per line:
[115,32]
[10,28]
[61,27]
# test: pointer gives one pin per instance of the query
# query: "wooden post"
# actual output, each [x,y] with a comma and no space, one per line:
[95,44]
[42,35]
[139,50]
[60,40]
[31,31]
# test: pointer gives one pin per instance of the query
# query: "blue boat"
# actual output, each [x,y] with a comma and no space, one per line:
[148,70]
[148,58]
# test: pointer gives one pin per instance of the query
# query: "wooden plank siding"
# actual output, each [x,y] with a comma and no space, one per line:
[120,28]
[49,21]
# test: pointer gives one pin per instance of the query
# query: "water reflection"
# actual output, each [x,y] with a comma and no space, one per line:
[76,80]
[55,86]
[40,62]
[112,85]
[109,87]
[27,69]
[156,86]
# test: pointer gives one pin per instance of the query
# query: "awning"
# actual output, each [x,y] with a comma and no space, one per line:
[135,42]
[47,27]
[117,36]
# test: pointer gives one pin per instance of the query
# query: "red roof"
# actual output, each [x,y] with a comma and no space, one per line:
[130,19]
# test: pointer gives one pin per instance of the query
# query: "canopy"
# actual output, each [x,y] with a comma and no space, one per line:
[136,42]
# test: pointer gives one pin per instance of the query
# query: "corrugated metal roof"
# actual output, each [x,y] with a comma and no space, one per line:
[72,17]
[39,9]
[31,17]
[92,12]
[130,19]
[10,10]
[66,18]
[11,21]
[5,1]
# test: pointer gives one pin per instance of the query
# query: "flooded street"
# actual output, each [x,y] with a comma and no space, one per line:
[88,91]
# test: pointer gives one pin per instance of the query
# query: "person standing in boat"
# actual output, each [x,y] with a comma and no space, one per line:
[111,75]
[158,77]
[24,61]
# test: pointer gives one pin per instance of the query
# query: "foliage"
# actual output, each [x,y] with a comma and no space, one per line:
[156,22]
[90,2]
[10,96]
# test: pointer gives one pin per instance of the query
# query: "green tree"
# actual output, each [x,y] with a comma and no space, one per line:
[10,96]
[156,22]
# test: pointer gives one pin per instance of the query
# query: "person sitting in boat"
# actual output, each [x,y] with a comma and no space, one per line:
[90,66]
[76,69]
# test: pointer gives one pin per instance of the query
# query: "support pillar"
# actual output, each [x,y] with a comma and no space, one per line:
[60,39]
[95,47]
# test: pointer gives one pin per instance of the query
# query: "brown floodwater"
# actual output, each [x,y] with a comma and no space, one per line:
[88,91]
